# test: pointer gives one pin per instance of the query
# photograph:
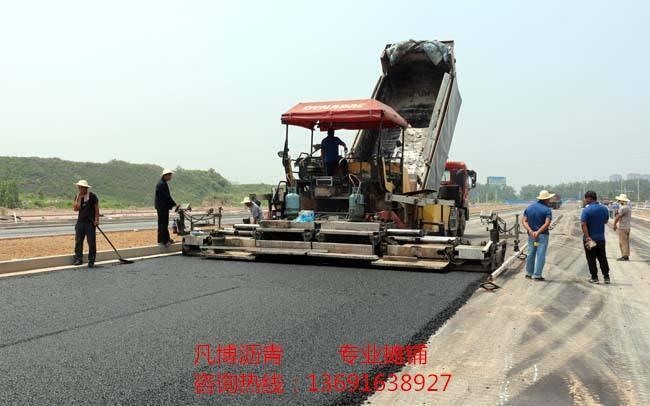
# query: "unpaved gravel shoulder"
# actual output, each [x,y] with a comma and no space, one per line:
[563,341]
[19,248]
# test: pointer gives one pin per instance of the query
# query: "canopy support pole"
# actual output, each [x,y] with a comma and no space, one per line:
[402,163]
[286,160]
[286,142]
[311,146]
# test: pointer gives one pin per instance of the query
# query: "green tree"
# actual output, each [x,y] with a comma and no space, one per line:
[9,196]
[493,193]
[635,189]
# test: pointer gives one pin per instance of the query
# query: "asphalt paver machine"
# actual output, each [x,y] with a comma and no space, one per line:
[382,203]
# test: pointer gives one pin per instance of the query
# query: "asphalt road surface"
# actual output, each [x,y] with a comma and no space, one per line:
[127,334]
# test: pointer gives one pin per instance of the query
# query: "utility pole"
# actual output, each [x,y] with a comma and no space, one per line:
[638,190]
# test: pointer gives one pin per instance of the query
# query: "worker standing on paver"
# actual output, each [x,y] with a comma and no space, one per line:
[257,215]
[330,152]
[623,222]
[86,205]
[593,219]
[164,203]
[537,220]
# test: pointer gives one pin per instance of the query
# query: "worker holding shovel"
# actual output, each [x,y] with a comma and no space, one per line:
[537,220]
[87,205]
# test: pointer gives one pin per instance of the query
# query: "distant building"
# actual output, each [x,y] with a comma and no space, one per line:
[615,178]
[635,176]
[496,180]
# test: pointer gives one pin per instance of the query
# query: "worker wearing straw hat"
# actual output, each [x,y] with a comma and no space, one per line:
[623,222]
[164,203]
[257,215]
[87,205]
[537,220]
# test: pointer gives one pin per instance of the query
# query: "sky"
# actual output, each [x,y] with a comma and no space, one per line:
[553,91]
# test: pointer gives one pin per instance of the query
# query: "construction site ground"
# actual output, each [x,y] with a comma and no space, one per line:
[18,248]
[127,334]
[559,342]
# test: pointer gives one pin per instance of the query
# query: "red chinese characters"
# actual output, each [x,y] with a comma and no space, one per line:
[227,383]
[372,354]
[246,354]
[238,384]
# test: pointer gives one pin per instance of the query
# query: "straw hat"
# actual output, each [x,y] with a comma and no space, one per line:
[166,171]
[246,200]
[622,197]
[83,183]
[544,195]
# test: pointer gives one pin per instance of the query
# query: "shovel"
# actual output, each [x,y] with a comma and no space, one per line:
[122,260]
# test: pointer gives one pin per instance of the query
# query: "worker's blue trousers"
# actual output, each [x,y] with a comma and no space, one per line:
[536,255]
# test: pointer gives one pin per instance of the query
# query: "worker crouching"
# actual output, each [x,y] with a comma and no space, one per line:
[257,215]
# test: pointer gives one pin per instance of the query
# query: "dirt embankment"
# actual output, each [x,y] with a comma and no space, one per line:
[19,248]
[477,208]
[641,213]
[27,215]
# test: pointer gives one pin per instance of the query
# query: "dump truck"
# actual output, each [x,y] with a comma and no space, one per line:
[555,202]
[385,201]
[456,183]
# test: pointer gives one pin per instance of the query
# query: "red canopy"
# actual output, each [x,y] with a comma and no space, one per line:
[344,114]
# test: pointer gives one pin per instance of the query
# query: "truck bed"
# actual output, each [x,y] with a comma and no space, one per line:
[419,82]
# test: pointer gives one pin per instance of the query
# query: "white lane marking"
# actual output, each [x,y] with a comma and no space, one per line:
[504,393]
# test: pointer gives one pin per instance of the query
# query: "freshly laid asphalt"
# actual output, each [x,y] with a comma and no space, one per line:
[126,334]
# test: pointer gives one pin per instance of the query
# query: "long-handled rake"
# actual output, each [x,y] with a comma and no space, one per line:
[122,260]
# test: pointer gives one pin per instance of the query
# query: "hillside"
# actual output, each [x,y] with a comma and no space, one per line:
[50,182]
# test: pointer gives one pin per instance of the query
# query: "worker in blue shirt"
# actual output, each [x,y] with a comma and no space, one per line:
[593,219]
[615,207]
[537,220]
[330,152]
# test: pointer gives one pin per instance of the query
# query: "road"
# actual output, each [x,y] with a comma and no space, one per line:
[127,334]
[563,341]
[27,230]
[64,228]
